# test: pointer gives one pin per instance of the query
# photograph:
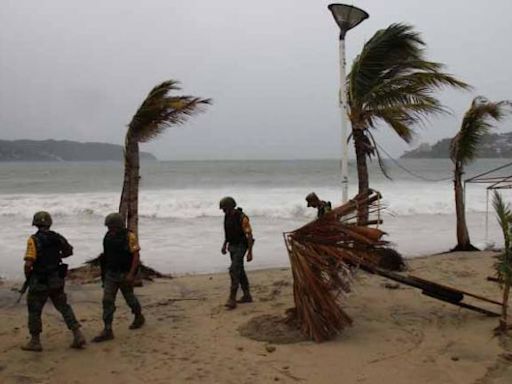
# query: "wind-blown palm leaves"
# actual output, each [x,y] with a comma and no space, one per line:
[464,149]
[159,111]
[504,264]
[323,254]
[391,82]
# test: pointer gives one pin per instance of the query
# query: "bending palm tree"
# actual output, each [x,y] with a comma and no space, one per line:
[463,150]
[391,82]
[158,112]
[504,264]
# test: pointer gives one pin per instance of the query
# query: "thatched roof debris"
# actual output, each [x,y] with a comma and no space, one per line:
[323,256]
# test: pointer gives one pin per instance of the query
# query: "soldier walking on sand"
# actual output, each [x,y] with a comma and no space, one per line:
[120,261]
[322,206]
[45,274]
[238,241]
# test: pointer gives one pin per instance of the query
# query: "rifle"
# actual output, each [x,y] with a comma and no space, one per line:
[24,287]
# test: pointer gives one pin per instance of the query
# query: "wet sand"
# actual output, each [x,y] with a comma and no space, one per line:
[399,335]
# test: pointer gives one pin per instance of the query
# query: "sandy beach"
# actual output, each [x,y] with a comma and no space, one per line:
[398,336]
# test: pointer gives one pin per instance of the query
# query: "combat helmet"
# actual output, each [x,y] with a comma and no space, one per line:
[311,197]
[114,220]
[227,202]
[42,219]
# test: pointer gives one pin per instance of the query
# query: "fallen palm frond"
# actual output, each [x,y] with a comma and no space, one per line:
[323,254]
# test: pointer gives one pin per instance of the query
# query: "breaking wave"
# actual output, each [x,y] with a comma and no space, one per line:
[284,203]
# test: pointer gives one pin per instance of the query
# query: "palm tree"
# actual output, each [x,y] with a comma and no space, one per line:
[504,264]
[464,149]
[392,82]
[158,112]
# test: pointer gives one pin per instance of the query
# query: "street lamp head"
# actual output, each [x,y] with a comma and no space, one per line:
[347,17]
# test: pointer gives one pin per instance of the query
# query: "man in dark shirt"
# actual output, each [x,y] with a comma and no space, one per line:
[322,206]
[239,241]
[46,275]
[120,261]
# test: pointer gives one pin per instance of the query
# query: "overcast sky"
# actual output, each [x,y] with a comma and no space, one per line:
[78,70]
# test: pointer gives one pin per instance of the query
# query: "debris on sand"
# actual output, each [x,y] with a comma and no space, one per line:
[90,272]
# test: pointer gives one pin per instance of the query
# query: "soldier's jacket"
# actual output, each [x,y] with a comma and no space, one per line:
[323,208]
[118,249]
[46,249]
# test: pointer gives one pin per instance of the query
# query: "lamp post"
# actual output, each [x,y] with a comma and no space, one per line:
[347,17]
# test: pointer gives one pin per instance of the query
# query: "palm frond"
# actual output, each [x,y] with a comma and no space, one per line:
[391,81]
[477,123]
[161,110]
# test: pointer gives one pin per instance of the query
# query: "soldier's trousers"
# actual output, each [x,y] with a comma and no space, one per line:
[110,287]
[36,300]
[236,270]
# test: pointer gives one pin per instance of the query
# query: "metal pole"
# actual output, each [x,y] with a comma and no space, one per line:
[486,215]
[344,124]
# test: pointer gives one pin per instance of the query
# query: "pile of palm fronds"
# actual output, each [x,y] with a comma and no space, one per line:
[323,254]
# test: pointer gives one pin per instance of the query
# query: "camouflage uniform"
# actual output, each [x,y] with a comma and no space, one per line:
[113,282]
[119,246]
[239,240]
[236,269]
[40,289]
[46,274]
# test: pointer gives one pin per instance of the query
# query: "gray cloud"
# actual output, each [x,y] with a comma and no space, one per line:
[78,70]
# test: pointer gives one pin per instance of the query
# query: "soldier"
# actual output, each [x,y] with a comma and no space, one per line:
[239,241]
[322,206]
[120,262]
[46,274]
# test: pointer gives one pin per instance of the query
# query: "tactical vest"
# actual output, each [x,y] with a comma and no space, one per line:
[116,250]
[49,246]
[233,227]
[325,206]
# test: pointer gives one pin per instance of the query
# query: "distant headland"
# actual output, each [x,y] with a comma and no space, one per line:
[493,146]
[62,150]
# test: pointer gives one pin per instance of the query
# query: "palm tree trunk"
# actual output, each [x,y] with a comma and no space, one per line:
[123,203]
[504,309]
[463,242]
[132,156]
[362,172]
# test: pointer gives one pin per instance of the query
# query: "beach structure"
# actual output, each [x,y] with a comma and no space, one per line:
[324,255]
[495,181]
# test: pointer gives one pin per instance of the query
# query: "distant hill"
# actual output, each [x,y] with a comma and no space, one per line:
[493,146]
[62,150]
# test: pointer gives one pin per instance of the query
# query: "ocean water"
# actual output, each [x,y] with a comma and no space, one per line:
[180,223]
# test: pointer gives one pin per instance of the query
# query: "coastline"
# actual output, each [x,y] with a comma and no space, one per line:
[398,336]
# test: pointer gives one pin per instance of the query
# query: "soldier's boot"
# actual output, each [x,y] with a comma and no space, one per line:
[246,298]
[231,303]
[78,339]
[138,321]
[33,345]
[105,335]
